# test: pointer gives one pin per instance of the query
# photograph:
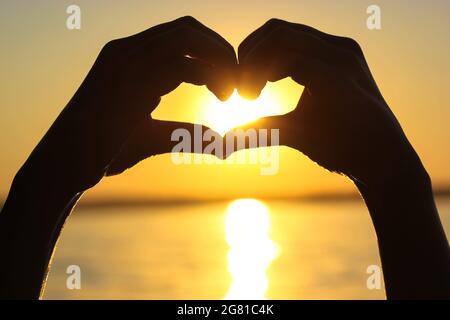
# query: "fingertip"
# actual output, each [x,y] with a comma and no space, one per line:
[223,93]
[249,93]
[250,84]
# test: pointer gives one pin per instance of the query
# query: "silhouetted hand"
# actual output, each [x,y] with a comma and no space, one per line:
[342,121]
[106,128]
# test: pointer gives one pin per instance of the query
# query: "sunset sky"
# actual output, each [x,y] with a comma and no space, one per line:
[43,63]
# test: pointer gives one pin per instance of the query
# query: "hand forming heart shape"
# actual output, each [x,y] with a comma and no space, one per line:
[341,121]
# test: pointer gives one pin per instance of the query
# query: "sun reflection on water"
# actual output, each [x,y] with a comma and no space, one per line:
[247,227]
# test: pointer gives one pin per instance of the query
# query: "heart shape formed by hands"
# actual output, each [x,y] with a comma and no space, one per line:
[341,122]
[337,121]
[202,107]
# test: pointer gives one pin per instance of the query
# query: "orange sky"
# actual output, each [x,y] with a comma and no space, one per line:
[43,63]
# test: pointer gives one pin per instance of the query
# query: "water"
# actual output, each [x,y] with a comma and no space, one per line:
[247,249]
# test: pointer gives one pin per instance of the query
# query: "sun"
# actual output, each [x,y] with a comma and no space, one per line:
[223,116]
[195,104]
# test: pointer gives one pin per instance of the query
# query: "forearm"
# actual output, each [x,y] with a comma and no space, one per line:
[413,247]
[30,224]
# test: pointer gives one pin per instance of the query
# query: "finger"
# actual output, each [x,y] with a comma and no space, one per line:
[349,52]
[139,39]
[248,84]
[314,74]
[211,33]
[171,73]
[146,35]
[274,58]
[264,132]
[256,36]
[153,137]
[179,38]
[280,130]
[176,70]
[186,40]
[280,40]
[150,33]
[347,47]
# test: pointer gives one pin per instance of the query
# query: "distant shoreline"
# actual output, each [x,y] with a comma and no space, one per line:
[154,202]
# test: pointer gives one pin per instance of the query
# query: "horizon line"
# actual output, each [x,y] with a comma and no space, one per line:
[106,202]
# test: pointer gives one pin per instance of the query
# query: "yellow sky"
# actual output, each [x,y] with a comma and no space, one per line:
[43,63]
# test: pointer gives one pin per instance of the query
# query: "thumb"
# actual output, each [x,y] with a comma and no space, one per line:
[153,137]
[265,132]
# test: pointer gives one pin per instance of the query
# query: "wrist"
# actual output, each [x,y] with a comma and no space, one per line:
[393,198]
[30,222]
[42,195]
[398,168]
[36,181]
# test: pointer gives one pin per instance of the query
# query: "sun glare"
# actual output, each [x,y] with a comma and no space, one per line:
[247,227]
[236,111]
[195,104]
